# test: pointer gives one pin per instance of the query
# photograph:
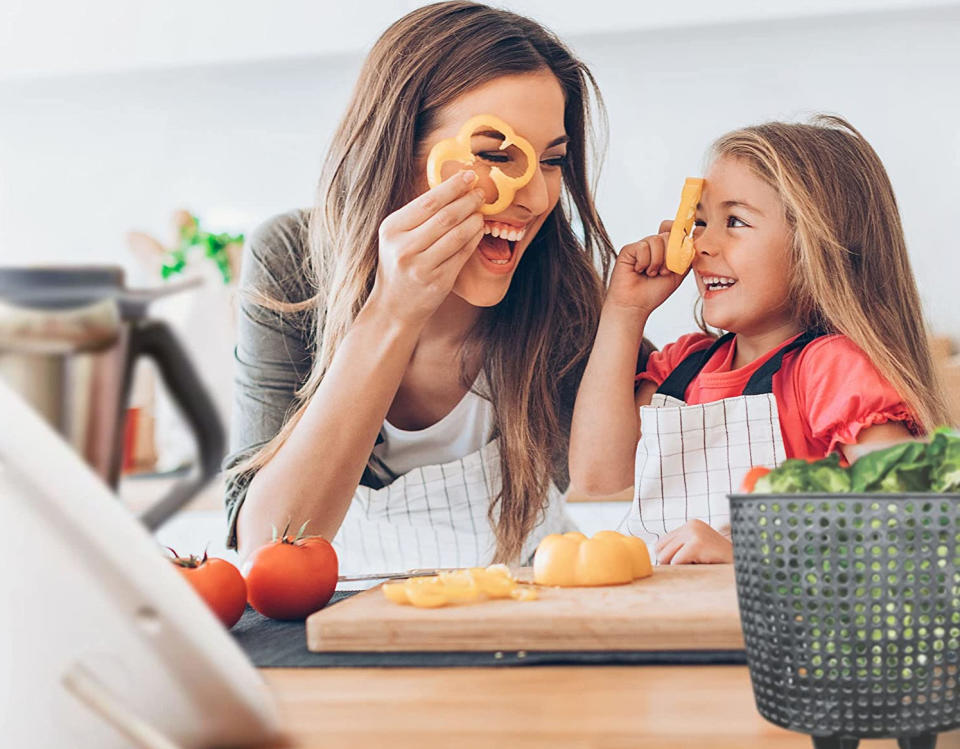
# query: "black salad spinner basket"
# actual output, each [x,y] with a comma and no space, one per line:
[850,607]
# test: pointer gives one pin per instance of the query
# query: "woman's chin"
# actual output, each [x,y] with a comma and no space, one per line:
[481,292]
[484,281]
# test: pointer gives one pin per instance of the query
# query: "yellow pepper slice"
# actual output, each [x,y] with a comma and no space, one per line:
[495,581]
[396,592]
[680,243]
[426,592]
[458,149]
[460,586]
[524,593]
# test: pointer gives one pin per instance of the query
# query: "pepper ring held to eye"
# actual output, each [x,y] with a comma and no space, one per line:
[458,149]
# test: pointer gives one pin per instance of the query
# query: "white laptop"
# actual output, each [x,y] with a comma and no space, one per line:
[102,644]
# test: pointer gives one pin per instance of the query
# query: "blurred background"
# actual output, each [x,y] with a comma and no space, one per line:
[117,114]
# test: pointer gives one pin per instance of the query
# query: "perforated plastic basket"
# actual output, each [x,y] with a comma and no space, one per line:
[850,606]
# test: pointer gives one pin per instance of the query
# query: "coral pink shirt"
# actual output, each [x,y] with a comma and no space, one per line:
[826,393]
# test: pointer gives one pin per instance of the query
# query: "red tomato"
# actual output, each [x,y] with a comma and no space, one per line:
[750,480]
[291,578]
[218,583]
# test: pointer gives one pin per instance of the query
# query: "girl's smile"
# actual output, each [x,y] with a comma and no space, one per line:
[714,284]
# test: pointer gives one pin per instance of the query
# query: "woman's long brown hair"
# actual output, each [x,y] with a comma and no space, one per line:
[535,342]
[850,269]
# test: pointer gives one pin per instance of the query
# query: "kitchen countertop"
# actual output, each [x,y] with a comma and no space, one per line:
[641,707]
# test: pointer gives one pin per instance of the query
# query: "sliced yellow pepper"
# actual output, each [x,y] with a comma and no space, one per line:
[426,592]
[458,586]
[396,592]
[680,243]
[524,593]
[458,149]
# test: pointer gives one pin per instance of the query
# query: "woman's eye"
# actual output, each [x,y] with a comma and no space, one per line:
[734,223]
[555,160]
[494,157]
[700,222]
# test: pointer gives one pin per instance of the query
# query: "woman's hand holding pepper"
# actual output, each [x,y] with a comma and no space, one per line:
[424,245]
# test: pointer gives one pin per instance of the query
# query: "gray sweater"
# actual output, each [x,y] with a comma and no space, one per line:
[274,351]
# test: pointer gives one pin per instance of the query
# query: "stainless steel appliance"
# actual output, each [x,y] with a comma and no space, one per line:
[69,339]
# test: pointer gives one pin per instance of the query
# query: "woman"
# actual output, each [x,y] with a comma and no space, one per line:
[406,376]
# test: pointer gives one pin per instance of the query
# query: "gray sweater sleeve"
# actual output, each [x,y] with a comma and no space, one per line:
[274,351]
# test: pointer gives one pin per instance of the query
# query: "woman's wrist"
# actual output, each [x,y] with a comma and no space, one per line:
[384,317]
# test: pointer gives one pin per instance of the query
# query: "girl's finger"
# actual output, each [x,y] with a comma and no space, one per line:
[453,241]
[686,554]
[658,254]
[419,210]
[634,255]
[666,554]
[666,539]
[665,226]
[446,219]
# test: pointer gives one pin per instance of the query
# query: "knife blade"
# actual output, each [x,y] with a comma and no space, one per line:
[393,575]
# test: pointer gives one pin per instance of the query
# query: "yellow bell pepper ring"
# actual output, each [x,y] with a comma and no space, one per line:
[680,244]
[458,149]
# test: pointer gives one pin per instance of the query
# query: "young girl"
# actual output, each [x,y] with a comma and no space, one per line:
[800,255]
[405,386]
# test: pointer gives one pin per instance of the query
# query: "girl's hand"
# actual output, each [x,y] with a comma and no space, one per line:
[424,245]
[694,543]
[640,280]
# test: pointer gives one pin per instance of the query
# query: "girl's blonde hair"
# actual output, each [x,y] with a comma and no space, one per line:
[849,264]
[534,343]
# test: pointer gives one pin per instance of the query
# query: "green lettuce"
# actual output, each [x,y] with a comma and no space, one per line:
[932,466]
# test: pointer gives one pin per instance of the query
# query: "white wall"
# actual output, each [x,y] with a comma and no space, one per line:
[85,158]
[54,37]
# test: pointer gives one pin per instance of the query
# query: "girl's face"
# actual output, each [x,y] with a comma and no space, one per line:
[533,105]
[742,260]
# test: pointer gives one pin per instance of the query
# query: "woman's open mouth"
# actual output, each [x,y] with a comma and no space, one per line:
[498,245]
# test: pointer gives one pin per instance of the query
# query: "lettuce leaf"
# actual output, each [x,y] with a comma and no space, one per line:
[932,466]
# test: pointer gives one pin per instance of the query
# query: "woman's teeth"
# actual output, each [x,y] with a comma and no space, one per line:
[504,231]
[715,283]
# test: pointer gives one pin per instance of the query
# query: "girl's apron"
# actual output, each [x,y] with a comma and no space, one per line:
[433,517]
[690,457]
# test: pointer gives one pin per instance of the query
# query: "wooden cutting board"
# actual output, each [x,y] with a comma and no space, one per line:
[687,607]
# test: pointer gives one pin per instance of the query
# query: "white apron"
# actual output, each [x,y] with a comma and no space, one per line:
[689,458]
[434,516]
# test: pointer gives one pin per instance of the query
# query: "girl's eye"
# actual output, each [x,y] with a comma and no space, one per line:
[700,222]
[735,223]
[555,160]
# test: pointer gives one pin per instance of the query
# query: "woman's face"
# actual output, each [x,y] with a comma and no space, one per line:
[533,105]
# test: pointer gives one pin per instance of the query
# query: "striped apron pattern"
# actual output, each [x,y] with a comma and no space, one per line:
[689,458]
[434,516]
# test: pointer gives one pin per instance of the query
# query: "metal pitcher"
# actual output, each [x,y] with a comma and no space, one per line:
[69,340]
